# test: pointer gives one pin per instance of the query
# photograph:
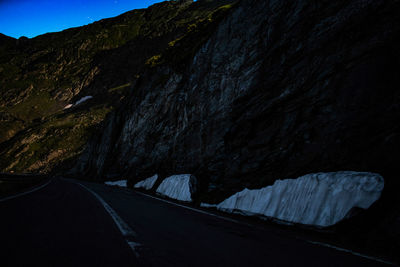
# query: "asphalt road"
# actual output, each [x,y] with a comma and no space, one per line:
[63,224]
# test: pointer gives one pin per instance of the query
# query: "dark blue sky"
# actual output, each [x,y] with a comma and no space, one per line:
[34,17]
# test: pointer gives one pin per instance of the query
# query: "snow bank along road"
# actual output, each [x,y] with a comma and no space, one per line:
[63,224]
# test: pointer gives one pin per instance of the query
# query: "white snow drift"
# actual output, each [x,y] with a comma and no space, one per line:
[180,187]
[68,106]
[320,199]
[83,99]
[120,183]
[147,183]
[80,101]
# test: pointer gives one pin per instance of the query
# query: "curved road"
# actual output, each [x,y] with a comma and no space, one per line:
[63,224]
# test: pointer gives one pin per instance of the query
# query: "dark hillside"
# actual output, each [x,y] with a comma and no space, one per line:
[239,94]
[41,76]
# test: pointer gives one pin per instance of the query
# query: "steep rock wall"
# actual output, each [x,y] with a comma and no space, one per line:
[280,89]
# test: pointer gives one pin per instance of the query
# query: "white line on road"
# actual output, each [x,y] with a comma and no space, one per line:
[235,221]
[26,192]
[134,246]
[190,208]
[124,228]
[351,252]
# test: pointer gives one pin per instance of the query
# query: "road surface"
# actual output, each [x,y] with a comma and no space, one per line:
[64,224]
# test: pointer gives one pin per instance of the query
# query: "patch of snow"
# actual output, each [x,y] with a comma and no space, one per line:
[180,187]
[120,183]
[83,99]
[319,199]
[68,106]
[147,183]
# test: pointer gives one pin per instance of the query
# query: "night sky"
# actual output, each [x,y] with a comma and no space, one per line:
[34,17]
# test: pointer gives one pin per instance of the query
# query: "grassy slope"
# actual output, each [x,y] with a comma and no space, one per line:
[40,76]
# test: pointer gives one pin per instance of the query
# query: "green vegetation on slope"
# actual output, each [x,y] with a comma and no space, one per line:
[41,76]
[59,138]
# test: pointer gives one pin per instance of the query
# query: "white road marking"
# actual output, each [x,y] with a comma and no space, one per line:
[26,192]
[123,227]
[351,252]
[235,221]
[190,208]
[134,246]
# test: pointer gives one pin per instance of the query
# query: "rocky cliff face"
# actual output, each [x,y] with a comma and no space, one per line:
[237,94]
[41,76]
[279,89]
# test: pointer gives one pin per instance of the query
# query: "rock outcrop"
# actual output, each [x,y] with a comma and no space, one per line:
[279,89]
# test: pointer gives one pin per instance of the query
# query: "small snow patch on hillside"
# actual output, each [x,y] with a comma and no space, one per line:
[319,199]
[120,183]
[180,187]
[68,106]
[147,183]
[83,99]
